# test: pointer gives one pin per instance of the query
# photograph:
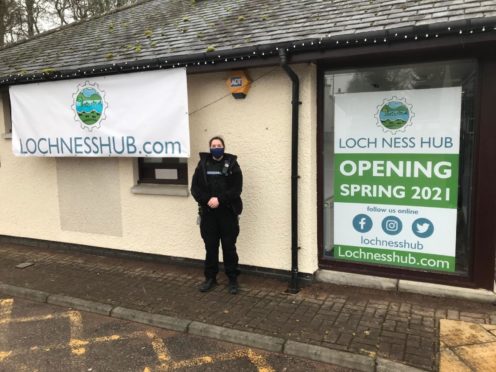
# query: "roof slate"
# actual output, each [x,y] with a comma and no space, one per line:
[165,28]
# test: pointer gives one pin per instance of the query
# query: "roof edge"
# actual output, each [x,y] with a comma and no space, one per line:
[461,28]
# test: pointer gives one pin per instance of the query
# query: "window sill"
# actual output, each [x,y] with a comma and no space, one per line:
[158,189]
[7,135]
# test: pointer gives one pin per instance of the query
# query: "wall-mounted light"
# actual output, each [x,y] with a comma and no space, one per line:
[238,84]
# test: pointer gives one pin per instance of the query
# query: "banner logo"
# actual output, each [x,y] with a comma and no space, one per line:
[394,115]
[89,105]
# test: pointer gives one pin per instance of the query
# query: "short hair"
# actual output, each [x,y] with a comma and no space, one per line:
[216,138]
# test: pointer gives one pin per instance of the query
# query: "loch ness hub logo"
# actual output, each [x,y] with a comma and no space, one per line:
[394,115]
[89,106]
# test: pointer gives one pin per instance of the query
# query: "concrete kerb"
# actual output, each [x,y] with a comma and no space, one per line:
[322,354]
[386,365]
[356,280]
[269,343]
[26,293]
[80,304]
[162,321]
[439,290]
[407,286]
[259,341]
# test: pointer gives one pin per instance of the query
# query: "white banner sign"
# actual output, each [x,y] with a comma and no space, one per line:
[142,114]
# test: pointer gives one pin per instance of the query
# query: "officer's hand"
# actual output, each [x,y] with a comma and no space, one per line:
[213,202]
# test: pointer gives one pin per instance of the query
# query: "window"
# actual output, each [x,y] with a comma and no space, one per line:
[386,130]
[169,171]
[6,118]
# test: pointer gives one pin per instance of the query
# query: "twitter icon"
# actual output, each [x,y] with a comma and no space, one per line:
[422,227]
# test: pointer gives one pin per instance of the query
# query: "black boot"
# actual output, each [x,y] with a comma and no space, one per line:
[233,287]
[208,284]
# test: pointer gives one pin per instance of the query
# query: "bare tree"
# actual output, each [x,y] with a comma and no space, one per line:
[27,15]
[30,17]
[79,9]
[9,21]
[61,7]
[25,18]
[3,21]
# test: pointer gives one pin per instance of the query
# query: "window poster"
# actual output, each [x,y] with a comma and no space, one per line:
[396,177]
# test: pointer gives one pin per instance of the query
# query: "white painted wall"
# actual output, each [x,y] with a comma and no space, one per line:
[257,129]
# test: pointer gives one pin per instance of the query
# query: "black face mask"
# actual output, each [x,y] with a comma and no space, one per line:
[217,152]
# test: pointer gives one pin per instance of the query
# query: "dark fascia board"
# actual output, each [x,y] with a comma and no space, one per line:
[440,49]
[262,54]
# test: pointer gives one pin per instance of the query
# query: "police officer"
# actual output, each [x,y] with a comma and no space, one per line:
[216,186]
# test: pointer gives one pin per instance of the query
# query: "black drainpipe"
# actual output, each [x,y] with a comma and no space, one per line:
[293,284]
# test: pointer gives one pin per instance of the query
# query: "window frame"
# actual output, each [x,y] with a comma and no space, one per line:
[482,270]
[463,251]
[7,112]
[145,170]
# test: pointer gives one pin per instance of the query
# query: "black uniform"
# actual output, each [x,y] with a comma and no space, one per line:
[222,179]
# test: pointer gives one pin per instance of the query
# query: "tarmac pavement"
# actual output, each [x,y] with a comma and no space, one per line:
[357,328]
[40,337]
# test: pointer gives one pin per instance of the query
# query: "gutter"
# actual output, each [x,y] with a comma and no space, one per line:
[295,103]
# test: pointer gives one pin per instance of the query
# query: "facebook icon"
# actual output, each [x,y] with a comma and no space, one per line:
[362,223]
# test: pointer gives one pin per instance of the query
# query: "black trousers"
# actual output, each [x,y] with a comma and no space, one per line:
[220,225]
